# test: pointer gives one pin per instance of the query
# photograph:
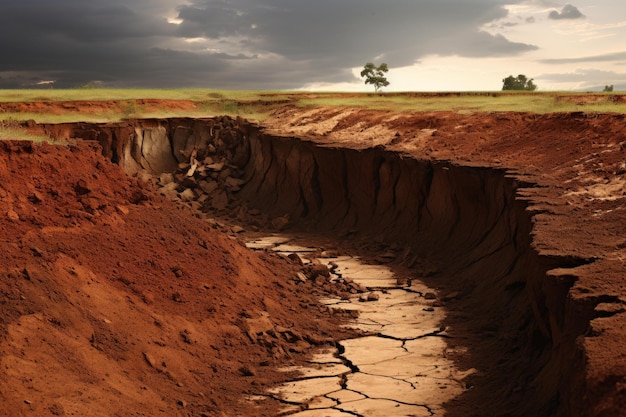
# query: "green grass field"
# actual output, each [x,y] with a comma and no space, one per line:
[258,104]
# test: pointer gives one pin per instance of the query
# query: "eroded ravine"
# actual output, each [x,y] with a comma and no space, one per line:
[462,230]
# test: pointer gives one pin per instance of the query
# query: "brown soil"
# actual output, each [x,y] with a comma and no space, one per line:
[118,302]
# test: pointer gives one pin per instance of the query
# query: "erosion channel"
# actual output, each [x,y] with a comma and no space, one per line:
[462,237]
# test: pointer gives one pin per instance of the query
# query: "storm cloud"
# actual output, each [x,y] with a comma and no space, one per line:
[266,44]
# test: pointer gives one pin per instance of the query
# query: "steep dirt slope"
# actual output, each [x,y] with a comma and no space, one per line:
[115,302]
[571,170]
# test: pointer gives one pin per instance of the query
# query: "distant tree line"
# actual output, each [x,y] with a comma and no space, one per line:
[519,83]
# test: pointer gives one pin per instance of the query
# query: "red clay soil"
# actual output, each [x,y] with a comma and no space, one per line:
[115,302]
[86,106]
[577,163]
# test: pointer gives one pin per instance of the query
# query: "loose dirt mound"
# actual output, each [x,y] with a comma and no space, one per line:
[116,302]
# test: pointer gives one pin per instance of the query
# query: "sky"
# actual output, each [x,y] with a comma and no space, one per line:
[429,45]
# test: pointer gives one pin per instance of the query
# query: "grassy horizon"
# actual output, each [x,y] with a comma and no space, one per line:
[258,105]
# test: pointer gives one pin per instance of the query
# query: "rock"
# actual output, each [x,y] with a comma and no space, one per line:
[295,259]
[208,186]
[358,288]
[237,229]
[186,336]
[192,170]
[320,280]
[369,297]
[150,360]
[430,296]
[315,270]
[227,172]
[56,410]
[429,309]
[182,403]
[90,204]
[144,176]
[300,347]
[373,296]
[170,191]
[81,187]
[188,195]
[216,167]
[170,195]
[166,178]
[189,182]
[330,254]
[280,223]
[36,197]
[247,370]
[301,277]
[220,201]
[256,327]
[13,216]
[172,186]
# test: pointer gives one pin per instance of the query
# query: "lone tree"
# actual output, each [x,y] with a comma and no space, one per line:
[521,82]
[608,89]
[375,75]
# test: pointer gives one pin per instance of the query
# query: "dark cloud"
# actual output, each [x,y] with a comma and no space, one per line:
[530,19]
[237,43]
[568,12]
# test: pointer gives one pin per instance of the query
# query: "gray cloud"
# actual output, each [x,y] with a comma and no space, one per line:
[568,12]
[238,43]
[617,56]
[588,79]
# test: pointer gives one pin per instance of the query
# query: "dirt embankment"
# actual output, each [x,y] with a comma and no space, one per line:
[117,302]
[525,212]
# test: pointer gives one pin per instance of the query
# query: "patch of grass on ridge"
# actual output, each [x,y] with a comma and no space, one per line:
[258,105]
[16,133]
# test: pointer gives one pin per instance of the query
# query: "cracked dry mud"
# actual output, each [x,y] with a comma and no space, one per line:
[399,368]
[134,295]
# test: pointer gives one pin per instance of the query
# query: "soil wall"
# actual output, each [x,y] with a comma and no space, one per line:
[465,229]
